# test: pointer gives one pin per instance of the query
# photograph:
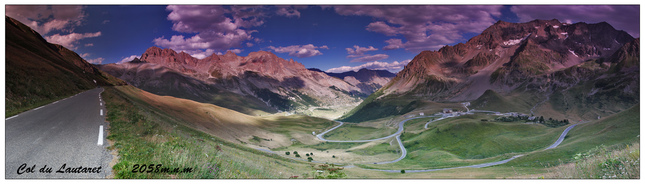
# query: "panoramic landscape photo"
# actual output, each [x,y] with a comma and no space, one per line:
[322,92]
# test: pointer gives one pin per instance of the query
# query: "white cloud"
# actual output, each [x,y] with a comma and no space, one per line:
[358,51]
[392,67]
[96,60]
[369,58]
[89,44]
[249,44]
[300,51]
[70,40]
[84,55]
[200,54]
[127,59]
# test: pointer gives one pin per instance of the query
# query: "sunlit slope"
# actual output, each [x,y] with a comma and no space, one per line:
[271,131]
[143,134]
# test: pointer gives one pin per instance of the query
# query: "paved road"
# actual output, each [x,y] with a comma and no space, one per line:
[404,151]
[561,138]
[397,134]
[66,132]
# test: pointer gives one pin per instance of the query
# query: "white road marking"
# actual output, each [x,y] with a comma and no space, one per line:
[11,117]
[101,112]
[100,142]
[101,104]
[39,108]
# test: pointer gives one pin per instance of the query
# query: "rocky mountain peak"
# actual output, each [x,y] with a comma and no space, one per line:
[507,53]
[230,54]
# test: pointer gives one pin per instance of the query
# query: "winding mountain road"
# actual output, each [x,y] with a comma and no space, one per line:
[62,136]
[404,151]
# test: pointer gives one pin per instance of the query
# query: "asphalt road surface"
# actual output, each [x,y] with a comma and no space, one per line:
[66,136]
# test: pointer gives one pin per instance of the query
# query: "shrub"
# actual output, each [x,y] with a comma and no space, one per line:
[402,171]
[287,153]
[310,159]
[306,154]
[333,156]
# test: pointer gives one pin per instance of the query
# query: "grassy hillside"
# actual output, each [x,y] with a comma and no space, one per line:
[470,138]
[377,106]
[225,123]
[493,101]
[150,129]
[616,130]
[39,73]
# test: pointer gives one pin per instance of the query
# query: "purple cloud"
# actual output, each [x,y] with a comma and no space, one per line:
[369,58]
[288,11]
[300,51]
[45,19]
[424,27]
[393,44]
[58,19]
[393,66]
[217,27]
[622,17]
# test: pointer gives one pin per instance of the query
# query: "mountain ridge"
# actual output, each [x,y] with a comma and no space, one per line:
[270,83]
[517,59]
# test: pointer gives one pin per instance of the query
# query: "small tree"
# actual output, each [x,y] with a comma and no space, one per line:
[333,156]
[297,155]
[287,153]
[312,154]
[306,154]
[295,152]
[402,171]
[310,159]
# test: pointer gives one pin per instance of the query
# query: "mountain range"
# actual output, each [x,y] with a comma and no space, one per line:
[576,71]
[259,82]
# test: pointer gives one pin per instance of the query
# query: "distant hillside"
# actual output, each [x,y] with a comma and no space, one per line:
[39,72]
[368,80]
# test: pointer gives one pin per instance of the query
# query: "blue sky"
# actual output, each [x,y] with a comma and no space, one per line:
[331,38]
